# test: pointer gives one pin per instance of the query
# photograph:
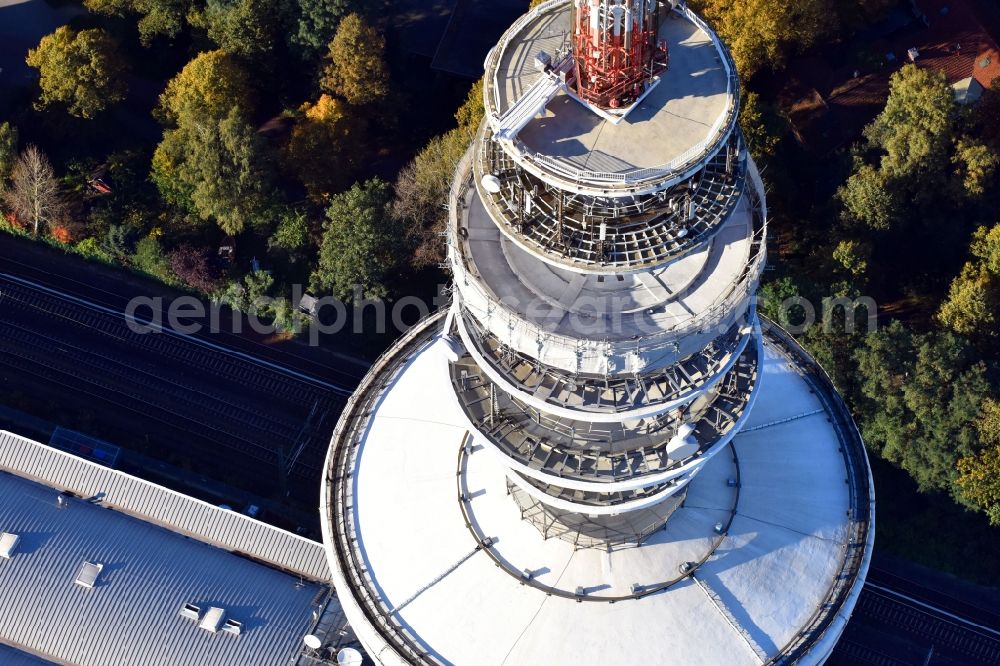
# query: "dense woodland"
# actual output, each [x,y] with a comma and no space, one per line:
[290,131]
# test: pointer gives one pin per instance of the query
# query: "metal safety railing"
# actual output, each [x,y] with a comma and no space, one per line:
[857,552]
[338,520]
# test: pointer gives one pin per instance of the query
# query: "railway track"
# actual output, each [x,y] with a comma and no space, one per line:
[954,639]
[857,653]
[188,349]
[224,399]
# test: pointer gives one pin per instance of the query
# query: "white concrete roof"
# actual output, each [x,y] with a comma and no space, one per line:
[131,615]
[155,504]
[757,591]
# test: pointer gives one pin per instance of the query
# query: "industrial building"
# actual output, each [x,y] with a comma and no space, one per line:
[99,568]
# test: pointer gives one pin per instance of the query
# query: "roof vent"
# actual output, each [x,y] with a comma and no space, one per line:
[213,619]
[543,61]
[190,612]
[88,573]
[8,544]
[233,627]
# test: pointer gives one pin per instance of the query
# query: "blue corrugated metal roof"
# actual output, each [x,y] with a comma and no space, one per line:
[155,504]
[131,616]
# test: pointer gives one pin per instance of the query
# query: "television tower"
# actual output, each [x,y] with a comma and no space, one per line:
[598,453]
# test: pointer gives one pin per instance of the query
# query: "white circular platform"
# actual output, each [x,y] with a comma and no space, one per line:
[761,586]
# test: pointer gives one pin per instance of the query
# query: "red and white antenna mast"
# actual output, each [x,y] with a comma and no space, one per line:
[616,50]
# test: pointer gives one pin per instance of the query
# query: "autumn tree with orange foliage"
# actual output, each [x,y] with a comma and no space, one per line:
[324,147]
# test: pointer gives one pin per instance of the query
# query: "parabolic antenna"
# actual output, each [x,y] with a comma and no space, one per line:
[312,642]
[349,657]
[491,183]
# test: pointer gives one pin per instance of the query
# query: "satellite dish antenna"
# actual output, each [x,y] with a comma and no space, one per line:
[349,657]
[684,444]
[312,642]
[491,183]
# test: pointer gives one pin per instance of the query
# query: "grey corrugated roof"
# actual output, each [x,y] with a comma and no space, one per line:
[152,503]
[131,616]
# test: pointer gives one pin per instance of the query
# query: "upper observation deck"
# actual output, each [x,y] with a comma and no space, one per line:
[684,118]
[605,324]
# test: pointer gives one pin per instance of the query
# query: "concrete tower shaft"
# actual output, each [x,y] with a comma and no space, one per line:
[610,345]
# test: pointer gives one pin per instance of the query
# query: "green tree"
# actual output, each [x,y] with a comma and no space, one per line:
[922,395]
[985,247]
[91,248]
[355,69]
[853,256]
[157,17]
[117,243]
[315,25]
[211,161]
[82,70]
[361,245]
[205,90]
[291,237]
[868,197]
[220,172]
[245,28]
[976,164]
[971,303]
[979,481]
[776,298]
[916,129]
[979,475]
[762,33]
[150,258]
[251,293]
[974,296]
[8,151]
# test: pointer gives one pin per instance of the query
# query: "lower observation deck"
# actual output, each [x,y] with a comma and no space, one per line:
[434,562]
[603,399]
[612,456]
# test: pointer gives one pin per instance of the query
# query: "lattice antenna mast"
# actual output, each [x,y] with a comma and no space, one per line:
[616,50]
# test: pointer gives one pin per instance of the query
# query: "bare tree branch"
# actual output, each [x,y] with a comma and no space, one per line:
[34,193]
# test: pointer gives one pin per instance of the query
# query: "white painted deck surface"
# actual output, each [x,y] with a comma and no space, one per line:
[677,114]
[761,586]
[611,307]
